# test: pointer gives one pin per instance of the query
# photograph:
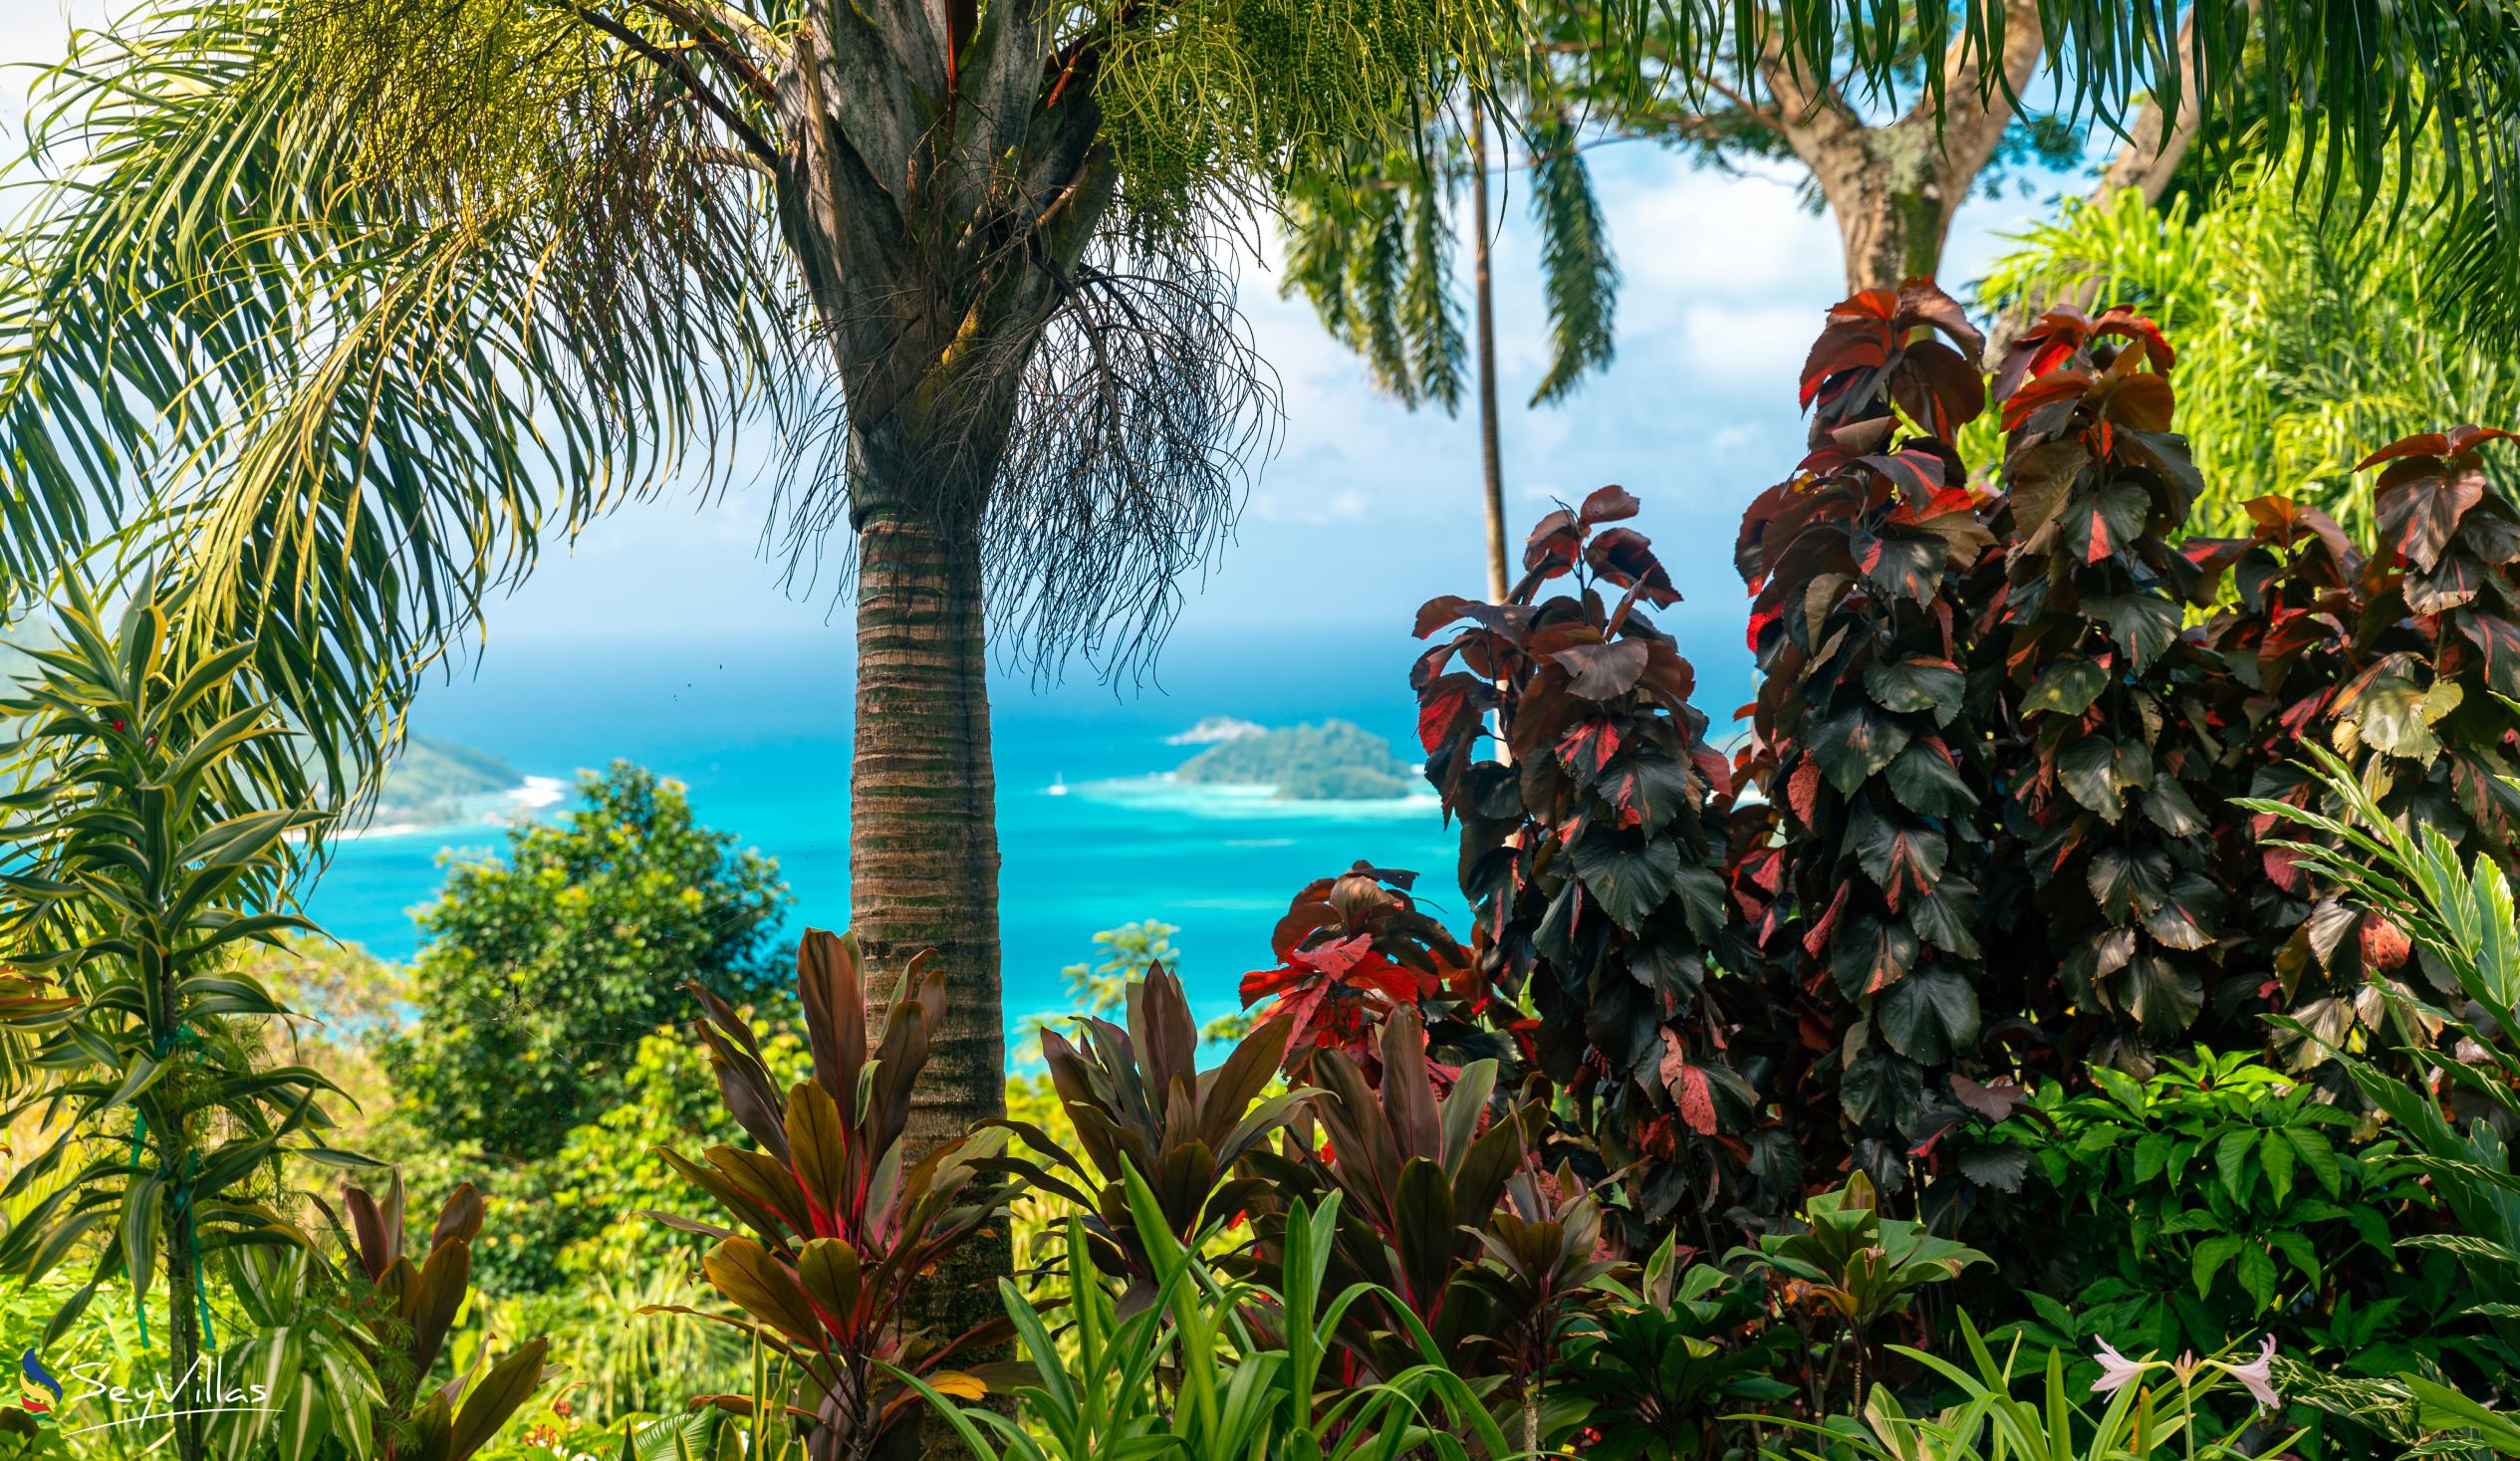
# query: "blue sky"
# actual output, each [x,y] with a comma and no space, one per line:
[1367,509]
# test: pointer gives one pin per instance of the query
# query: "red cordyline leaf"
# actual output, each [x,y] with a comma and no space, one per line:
[2053,389]
[1868,351]
[1452,707]
[1802,790]
[2385,945]
[1552,547]
[1943,502]
[2121,320]
[1689,1086]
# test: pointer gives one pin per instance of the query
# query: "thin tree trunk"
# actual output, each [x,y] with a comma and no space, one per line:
[1492,457]
[923,838]
[183,1298]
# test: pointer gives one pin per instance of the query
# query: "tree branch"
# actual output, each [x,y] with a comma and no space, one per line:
[689,76]
[700,27]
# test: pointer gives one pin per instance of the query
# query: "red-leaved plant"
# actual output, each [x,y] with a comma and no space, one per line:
[1861,887]
[1356,949]
[2105,912]
[842,1224]
[2404,662]
[1593,847]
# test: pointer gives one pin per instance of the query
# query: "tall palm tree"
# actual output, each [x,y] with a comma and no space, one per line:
[1371,247]
[343,302]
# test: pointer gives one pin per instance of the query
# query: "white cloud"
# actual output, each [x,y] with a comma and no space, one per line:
[1729,440]
[1752,350]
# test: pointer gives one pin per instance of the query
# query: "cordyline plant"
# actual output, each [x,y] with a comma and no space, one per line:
[2102,743]
[347,1347]
[144,849]
[1354,949]
[1861,889]
[839,1227]
[1593,849]
[424,1299]
[1139,1104]
[1420,1172]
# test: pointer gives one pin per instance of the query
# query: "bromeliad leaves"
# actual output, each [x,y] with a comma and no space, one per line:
[1592,845]
[841,1219]
[1140,1103]
[449,1422]
[1422,1168]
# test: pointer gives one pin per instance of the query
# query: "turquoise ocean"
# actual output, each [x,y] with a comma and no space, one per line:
[760,733]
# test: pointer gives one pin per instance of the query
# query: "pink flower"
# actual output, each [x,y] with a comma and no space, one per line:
[2254,1376]
[2115,1369]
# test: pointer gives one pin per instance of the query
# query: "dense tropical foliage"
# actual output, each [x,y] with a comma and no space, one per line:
[2074,1016]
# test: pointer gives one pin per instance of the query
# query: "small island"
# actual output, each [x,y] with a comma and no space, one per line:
[1336,761]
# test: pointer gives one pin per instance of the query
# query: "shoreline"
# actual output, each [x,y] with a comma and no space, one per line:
[499,810]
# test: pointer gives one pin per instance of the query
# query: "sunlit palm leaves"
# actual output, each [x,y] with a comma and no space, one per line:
[2463,919]
[262,329]
[1371,245]
[347,303]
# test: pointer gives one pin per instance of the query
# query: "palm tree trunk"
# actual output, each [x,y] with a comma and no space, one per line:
[1491,458]
[922,837]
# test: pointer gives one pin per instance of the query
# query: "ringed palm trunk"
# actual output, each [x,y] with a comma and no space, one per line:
[936,215]
[922,837]
[1483,289]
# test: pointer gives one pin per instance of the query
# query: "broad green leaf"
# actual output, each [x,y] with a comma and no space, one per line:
[2067,688]
[2208,1259]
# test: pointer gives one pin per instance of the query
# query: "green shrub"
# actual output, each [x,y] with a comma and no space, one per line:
[541,972]
[2215,1199]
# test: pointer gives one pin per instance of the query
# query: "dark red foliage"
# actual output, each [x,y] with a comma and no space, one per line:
[2401,661]
[1354,949]
[1868,360]
[2098,711]
[1861,883]
[1593,847]
[1982,826]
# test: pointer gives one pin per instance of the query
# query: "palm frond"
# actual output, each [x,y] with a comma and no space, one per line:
[1578,274]
[341,345]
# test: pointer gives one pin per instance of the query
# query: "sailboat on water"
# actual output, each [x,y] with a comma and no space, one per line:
[1057,783]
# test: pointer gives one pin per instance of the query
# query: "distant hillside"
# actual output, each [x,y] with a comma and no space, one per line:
[15,641]
[1331,762]
[441,781]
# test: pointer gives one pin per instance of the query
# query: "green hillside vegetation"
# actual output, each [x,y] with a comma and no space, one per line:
[1334,761]
[438,781]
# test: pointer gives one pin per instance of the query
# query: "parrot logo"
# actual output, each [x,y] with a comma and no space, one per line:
[30,1396]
